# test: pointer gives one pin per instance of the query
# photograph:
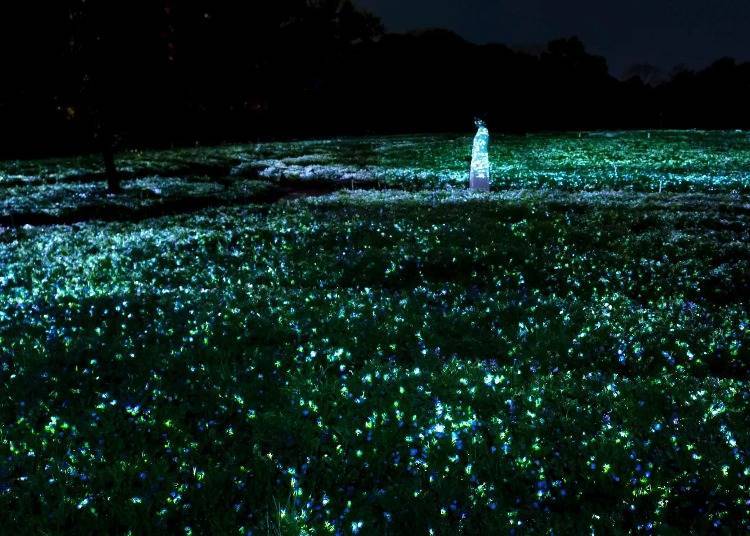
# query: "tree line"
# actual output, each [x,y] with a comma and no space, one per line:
[83,75]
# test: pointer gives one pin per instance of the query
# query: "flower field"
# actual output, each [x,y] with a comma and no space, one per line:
[675,161]
[567,354]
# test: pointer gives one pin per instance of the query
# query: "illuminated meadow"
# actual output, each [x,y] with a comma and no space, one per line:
[565,354]
[673,161]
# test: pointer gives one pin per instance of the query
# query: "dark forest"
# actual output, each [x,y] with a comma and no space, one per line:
[175,72]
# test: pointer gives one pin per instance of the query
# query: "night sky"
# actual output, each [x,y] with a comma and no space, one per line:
[661,32]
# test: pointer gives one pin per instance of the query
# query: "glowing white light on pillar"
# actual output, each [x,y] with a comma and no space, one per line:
[479,178]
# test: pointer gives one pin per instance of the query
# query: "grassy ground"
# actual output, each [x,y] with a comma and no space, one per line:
[642,161]
[531,360]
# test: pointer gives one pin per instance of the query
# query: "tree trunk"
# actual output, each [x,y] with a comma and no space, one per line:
[113,176]
[110,167]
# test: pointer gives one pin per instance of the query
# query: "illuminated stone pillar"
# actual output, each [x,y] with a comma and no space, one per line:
[479,178]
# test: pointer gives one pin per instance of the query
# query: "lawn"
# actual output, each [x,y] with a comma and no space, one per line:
[566,354]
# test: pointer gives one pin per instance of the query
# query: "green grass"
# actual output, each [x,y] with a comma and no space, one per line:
[139,198]
[533,360]
[678,161]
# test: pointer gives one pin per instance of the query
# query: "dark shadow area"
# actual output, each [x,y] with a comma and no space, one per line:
[87,76]
[110,213]
[103,210]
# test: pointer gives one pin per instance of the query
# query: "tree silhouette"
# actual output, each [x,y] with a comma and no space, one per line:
[164,72]
[648,74]
[91,55]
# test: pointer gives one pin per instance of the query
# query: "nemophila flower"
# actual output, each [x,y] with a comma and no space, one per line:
[543,272]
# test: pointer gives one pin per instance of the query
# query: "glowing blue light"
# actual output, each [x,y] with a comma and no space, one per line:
[479,178]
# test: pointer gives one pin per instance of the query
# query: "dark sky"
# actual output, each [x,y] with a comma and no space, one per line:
[662,32]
